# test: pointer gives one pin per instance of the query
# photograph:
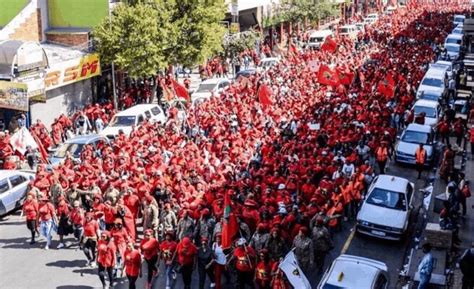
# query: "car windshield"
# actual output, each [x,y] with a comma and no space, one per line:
[126,120]
[453,40]
[441,65]
[457,31]
[206,87]
[345,30]
[429,96]
[436,82]
[453,48]
[387,199]
[74,149]
[316,39]
[429,111]
[268,63]
[330,286]
[459,19]
[415,137]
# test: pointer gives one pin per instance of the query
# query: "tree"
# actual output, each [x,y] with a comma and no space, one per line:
[134,38]
[313,10]
[234,44]
[196,24]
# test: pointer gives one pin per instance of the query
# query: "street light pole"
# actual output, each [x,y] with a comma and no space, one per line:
[115,100]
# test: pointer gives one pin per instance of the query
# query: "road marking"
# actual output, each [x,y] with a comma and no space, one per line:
[348,241]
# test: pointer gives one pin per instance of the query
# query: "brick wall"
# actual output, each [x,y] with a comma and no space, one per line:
[30,30]
[68,39]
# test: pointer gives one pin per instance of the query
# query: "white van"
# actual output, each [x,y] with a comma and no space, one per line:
[317,38]
[125,120]
[350,31]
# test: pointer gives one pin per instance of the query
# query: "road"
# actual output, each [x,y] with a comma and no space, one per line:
[32,267]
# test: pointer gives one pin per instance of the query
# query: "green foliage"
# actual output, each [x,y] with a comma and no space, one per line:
[236,43]
[198,30]
[146,35]
[313,10]
[134,38]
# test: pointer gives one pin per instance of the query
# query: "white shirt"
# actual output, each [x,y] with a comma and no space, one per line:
[219,252]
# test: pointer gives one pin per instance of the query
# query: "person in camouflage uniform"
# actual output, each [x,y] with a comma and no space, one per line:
[322,243]
[259,238]
[304,249]
[185,226]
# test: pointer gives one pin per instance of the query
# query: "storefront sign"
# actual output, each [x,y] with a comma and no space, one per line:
[72,71]
[13,95]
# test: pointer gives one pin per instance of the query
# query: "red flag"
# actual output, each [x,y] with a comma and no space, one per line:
[345,77]
[264,93]
[180,90]
[387,86]
[230,227]
[329,45]
[327,76]
[42,150]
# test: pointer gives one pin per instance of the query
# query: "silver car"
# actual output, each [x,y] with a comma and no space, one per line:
[75,146]
[410,140]
[354,272]
[13,187]
[385,211]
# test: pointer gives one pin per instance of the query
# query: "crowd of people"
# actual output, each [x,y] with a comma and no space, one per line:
[294,169]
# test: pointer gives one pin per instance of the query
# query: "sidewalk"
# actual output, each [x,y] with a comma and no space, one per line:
[467,225]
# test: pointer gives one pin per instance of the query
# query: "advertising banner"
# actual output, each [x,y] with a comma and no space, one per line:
[13,95]
[71,71]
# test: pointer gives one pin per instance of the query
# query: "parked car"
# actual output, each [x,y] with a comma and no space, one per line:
[133,117]
[458,30]
[210,87]
[453,50]
[350,31]
[410,140]
[268,62]
[13,189]
[246,73]
[459,19]
[385,212]
[454,39]
[432,110]
[317,38]
[435,80]
[448,65]
[354,272]
[432,95]
[75,146]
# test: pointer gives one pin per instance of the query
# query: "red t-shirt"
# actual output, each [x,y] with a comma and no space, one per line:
[167,249]
[30,209]
[91,228]
[106,253]
[46,211]
[77,216]
[133,262]
[150,248]
[244,257]
[186,255]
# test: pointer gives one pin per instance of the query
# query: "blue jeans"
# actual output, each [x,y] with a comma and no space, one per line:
[170,282]
[424,281]
[46,228]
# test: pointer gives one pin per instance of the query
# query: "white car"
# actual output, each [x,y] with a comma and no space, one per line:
[411,138]
[459,19]
[432,110]
[454,39]
[385,211]
[453,50]
[349,31]
[132,117]
[267,63]
[208,88]
[443,64]
[354,272]
[317,38]
[13,189]
[435,80]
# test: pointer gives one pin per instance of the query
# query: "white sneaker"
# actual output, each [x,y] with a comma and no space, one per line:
[212,285]
[92,264]
[61,245]
[46,247]
[167,287]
